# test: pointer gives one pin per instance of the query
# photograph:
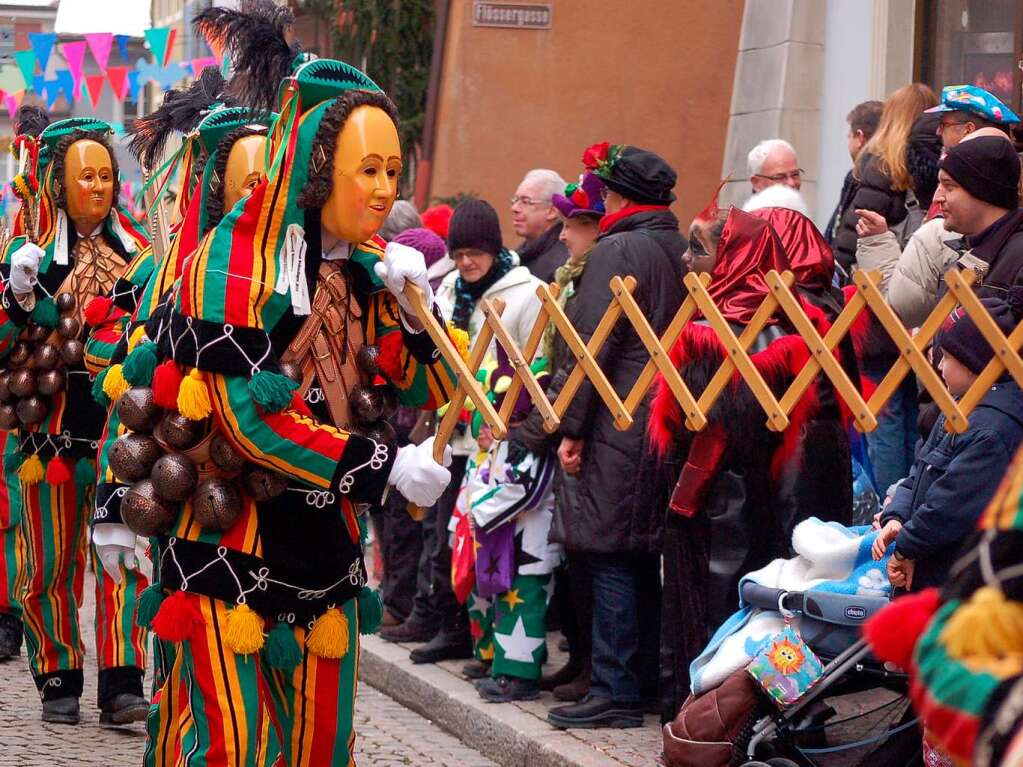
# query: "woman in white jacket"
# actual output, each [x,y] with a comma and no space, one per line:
[484,269]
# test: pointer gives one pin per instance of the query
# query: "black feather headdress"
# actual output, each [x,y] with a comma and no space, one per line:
[180,112]
[30,120]
[255,37]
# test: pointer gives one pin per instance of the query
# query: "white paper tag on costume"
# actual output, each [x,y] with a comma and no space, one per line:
[292,270]
[60,247]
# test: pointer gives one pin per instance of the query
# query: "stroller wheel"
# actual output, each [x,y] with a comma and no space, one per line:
[756,764]
[780,762]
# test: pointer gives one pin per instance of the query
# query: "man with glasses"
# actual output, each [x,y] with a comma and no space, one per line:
[773,161]
[536,221]
[967,108]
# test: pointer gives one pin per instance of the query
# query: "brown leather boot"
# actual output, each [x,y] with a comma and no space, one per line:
[577,688]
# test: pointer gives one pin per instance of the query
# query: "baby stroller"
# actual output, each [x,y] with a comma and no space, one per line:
[857,713]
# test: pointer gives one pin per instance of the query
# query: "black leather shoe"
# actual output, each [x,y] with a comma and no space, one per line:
[447,645]
[61,711]
[409,631]
[592,712]
[563,675]
[504,689]
[476,669]
[125,709]
[11,633]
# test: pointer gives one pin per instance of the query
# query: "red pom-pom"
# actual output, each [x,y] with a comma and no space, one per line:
[594,156]
[97,310]
[58,471]
[389,361]
[166,382]
[893,631]
[299,405]
[178,618]
[437,219]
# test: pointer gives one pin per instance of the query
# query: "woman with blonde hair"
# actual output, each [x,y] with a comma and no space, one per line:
[901,158]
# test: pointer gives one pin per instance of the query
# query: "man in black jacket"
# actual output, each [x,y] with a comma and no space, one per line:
[536,220]
[863,120]
[616,515]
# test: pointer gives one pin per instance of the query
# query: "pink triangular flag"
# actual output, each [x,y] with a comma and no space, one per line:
[100,44]
[74,55]
[198,65]
[118,77]
[11,103]
[94,86]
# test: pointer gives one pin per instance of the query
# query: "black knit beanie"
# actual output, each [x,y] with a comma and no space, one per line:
[475,224]
[986,167]
[961,337]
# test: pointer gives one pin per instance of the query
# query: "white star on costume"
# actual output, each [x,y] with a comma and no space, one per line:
[479,604]
[518,646]
[549,588]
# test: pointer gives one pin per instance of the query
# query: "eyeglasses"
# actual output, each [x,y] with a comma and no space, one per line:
[943,124]
[521,199]
[604,192]
[780,178]
[467,254]
[696,247]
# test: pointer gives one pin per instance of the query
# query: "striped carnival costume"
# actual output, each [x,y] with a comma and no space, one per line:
[83,245]
[280,350]
[208,143]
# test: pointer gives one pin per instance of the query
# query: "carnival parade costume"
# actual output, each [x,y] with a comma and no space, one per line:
[83,243]
[277,344]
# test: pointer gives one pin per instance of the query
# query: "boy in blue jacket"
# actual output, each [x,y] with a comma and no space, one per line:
[955,475]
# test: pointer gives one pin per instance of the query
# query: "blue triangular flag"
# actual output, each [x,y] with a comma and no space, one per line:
[134,85]
[170,74]
[66,83]
[52,90]
[39,85]
[42,46]
[122,47]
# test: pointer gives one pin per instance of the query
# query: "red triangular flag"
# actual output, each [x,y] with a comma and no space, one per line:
[118,77]
[170,45]
[94,84]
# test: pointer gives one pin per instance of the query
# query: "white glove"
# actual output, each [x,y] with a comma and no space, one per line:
[25,267]
[402,263]
[114,544]
[417,476]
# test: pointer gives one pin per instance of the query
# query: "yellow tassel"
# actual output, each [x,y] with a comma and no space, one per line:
[136,336]
[31,471]
[989,625]
[114,384]
[193,396]
[244,634]
[329,635]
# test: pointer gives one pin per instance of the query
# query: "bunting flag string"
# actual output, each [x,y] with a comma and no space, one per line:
[32,72]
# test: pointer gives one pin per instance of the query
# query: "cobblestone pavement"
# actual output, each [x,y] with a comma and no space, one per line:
[388,733]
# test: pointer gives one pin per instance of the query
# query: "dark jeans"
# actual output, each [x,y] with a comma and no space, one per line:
[892,445]
[434,602]
[573,597]
[401,545]
[626,625]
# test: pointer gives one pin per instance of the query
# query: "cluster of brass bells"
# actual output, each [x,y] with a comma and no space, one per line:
[371,406]
[168,459]
[36,367]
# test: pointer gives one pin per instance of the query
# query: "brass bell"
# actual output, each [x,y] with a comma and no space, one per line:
[22,383]
[137,410]
[8,418]
[262,484]
[72,351]
[216,504]
[37,333]
[5,391]
[179,432]
[69,327]
[19,355]
[66,302]
[227,459]
[292,371]
[31,410]
[381,431]
[132,457]
[46,356]
[367,359]
[366,405]
[145,512]
[50,382]
[174,476]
